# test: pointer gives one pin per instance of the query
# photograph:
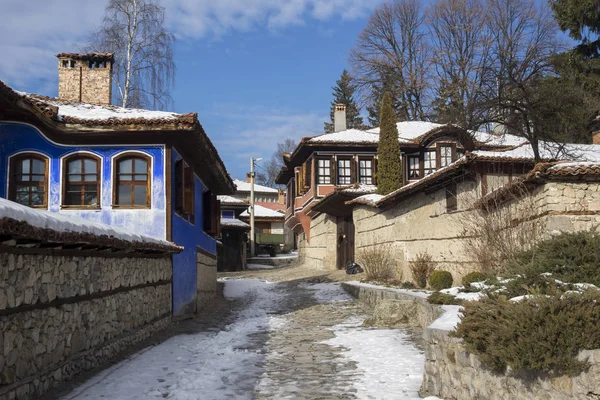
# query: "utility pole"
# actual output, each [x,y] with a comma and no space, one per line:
[252,244]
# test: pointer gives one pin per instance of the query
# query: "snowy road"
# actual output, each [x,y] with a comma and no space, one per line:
[286,340]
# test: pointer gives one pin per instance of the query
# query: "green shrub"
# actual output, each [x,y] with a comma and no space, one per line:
[443,298]
[421,267]
[540,334]
[471,277]
[408,285]
[439,280]
[570,257]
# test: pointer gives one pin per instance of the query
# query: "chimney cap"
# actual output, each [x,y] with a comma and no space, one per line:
[88,56]
[340,107]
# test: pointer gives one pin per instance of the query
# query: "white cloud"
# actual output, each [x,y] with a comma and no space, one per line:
[32,32]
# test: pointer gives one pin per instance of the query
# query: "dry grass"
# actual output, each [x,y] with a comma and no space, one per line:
[496,232]
[421,267]
[378,263]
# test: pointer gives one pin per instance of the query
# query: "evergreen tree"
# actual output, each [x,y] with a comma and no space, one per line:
[343,93]
[389,167]
[385,84]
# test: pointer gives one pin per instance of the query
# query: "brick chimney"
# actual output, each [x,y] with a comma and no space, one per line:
[596,137]
[339,118]
[85,78]
[248,177]
[281,196]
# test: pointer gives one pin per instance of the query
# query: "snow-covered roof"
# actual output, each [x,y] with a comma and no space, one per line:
[243,186]
[548,151]
[224,199]
[263,212]
[360,189]
[234,223]
[67,224]
[410,130]
[369,199]
[347,136]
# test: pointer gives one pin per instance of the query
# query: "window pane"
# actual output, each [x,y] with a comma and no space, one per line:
[124,195]
[38,178]
[91,196]
[38,167]
[139,195]
[140,177]
[90,177]
[140,165]
[125,177]
[73,198]
[74,178]
[90,166]
[74,167]
[25,166]
[125,167]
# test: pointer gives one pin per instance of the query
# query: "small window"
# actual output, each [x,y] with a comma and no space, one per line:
[365,172]
[132,182]
[414,169]
[65,63]
[344,172]
[81,181]
[429,166]
[445,156]
[324,176]
[227,214]
[28,183]
[73,63]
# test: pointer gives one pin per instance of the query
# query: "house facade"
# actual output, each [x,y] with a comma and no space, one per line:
[326,172]
[135,169]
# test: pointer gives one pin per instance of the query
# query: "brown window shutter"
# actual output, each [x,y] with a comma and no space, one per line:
[374,169]
[333,168]
[188,190]
[179,187]
[353,171]
[206,211]
[307,177]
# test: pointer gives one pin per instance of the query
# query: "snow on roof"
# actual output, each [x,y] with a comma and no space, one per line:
[92,112]
[491,139]
[410,130]
[548,151]
[66,223]
[347,136]
[370,199]
[243,186]
[224,199]
[234,223]
[263,212]
[360,189]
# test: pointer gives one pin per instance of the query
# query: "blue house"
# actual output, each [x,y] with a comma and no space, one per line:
[151,172]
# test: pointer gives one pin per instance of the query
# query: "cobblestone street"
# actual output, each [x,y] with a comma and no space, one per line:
[292,339]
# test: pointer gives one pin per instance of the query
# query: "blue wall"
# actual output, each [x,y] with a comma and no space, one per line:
[189,236]
[16,138]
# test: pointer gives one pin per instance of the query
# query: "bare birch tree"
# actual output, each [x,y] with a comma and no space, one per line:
[274,164]
[144,69]
[393,46]
[461,45]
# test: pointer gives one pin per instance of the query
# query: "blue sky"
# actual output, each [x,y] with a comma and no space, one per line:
[255,71]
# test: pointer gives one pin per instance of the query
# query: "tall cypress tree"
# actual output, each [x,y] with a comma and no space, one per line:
[343,93]
[389,166]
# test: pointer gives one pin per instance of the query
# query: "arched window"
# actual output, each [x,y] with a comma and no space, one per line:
[131,181]
[81,181]
[28,181]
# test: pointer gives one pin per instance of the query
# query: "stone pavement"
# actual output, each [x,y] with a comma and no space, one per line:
[292,363]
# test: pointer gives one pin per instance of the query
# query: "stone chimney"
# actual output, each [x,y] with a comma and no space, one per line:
[281,196]
[339,118]
[248,177]
[85,78]
[596,137]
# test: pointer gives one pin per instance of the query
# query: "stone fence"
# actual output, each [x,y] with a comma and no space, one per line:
[452,373]
[64,313]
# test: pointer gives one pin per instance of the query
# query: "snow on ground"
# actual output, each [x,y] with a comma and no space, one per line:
[449,319]
[261,266]
[422,294]
[390,366]
[328,292]
[215,365]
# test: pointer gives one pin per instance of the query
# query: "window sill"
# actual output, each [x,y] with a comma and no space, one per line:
[131,208]
[63,207]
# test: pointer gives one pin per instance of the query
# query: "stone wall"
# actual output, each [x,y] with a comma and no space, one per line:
[320,252]
[421,223]
[61,315]
[206,275]
[453,373]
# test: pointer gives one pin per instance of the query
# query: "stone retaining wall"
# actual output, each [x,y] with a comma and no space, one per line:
[453,373]
[61,315]
[206,275]
[321,252]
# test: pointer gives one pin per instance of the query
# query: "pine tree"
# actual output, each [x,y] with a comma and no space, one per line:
[389,167]
[343,93]
[378,89]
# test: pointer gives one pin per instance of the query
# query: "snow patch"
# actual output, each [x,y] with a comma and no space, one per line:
[263,212]
[449,319]
[327,292]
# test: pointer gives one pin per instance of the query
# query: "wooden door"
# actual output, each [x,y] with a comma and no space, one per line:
[345,241]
